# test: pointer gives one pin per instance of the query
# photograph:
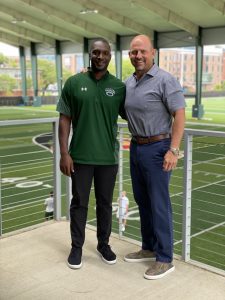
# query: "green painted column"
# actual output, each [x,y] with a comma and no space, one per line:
[37,99]
[23,74]
[155,45]
[34,68]
[118,57]
[197,108]
[86,53]
[58,61]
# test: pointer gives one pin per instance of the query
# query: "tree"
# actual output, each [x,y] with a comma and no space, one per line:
[47,74]
[127,68]
[3,59]
[7,84]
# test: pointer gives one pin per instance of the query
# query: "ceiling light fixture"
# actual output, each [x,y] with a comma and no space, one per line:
[88,11]
[17,20]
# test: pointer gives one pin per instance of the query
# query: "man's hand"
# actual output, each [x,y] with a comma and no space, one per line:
[170,161]
[66,164]
[84,70]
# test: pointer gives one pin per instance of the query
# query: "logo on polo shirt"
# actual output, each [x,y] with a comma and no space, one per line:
[84,89]
[110,92]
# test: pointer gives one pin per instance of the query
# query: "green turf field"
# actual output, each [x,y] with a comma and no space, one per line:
[27,178]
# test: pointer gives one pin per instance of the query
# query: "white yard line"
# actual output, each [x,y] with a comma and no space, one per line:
[203,231]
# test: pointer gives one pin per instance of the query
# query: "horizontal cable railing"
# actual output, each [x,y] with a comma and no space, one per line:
[29,170]
[197,188]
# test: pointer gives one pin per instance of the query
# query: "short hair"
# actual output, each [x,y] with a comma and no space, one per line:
[100,40]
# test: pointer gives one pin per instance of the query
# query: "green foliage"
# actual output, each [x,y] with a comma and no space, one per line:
[66,74]
[7,83]
[220,87]
[127,68]
[47,74]
[3,59]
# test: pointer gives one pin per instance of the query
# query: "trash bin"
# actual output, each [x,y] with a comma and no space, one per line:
[37,101]
[197,111]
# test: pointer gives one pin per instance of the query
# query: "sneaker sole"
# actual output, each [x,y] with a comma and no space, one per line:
[152,277]
[139,259]
[109,262]
[75,267]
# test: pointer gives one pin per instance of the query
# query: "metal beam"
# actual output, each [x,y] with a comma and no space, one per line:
[51,11]
[23,71]
[118,57]
[218,5]
[26,33]
[115,17]
[169,16]
[58,60]
[50,29]
[86,57]
[34,68]
[197,108]
[13,40]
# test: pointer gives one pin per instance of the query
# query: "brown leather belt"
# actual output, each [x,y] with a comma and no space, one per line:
[141,140]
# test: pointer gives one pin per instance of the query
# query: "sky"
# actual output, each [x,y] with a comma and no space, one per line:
[8,50]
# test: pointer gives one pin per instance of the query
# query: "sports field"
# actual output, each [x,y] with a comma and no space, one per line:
[27,178]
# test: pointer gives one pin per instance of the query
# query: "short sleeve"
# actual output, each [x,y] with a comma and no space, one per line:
[173,94]
[64,103]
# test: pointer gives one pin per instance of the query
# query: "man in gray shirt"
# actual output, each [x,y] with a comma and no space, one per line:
[155,109]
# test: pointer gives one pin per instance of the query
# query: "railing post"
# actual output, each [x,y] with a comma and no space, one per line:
[120,178]
[186,230]
[57,174]
[68,196]
[0,199]
[68,185]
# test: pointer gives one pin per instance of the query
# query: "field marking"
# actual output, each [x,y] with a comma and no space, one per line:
[19,154]
[40,145]
[202,232]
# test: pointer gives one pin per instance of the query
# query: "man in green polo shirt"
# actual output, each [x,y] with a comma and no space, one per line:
[91,101]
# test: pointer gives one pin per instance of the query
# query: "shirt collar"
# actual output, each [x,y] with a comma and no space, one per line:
[91,74]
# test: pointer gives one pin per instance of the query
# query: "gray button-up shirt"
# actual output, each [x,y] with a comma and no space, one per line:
[151,101]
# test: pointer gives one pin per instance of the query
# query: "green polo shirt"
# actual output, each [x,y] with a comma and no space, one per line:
[94,106]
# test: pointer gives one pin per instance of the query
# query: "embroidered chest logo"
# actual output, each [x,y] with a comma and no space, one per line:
[110,92]
[84,89]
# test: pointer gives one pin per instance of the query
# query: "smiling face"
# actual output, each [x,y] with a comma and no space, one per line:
[141,54]
[100,56]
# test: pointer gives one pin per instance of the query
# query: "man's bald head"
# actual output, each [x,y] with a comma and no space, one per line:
[141,54]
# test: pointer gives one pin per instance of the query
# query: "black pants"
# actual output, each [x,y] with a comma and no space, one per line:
[104,182]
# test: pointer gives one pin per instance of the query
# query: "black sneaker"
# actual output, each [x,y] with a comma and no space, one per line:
[107,254]
[74,259]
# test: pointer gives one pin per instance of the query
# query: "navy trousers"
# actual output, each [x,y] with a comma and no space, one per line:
[104,182]
[151,192]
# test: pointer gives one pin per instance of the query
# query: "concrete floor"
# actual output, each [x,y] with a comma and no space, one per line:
[33,266]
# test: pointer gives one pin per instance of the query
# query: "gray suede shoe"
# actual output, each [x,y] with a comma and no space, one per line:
[158,270]
[142,255]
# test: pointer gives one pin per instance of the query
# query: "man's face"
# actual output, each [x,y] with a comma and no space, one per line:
[100,56]
[141,55]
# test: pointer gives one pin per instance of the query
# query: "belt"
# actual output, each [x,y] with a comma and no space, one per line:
[141,140]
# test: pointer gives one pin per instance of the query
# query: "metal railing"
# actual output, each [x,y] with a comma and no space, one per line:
[197,188]
[203,237]
[27,172]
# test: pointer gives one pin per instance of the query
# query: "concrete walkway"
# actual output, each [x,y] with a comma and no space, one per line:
[33,266]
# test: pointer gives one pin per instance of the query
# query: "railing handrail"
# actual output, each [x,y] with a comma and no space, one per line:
[28,121]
